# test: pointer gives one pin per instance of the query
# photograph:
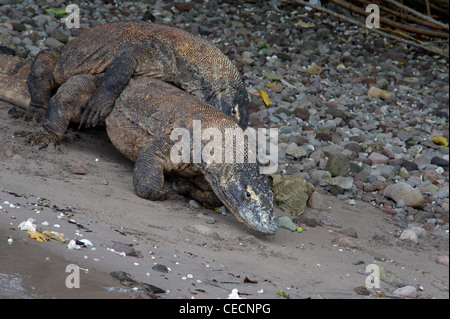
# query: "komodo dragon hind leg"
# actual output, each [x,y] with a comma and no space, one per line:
[41,83]
[65,106]
[148,178]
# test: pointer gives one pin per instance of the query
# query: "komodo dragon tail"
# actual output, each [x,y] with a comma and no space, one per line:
[14,72]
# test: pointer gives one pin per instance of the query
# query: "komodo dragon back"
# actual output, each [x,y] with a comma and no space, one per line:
[125,49]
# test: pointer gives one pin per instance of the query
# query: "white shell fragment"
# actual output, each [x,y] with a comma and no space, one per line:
[73,245]
[86,242]
[28,225]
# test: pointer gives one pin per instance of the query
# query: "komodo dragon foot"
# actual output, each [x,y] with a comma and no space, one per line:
[32,114]
[206,197]
[16,113]
[42,138]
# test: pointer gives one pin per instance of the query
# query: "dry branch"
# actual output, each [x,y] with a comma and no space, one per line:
[390,23]
[420,15]
[405,16]
[352,21]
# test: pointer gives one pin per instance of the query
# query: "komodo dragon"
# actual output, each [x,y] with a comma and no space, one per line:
[140,127]
[125,49]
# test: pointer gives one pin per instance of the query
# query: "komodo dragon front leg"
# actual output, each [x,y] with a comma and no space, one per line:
[65,106]
[116,78]
[148,177]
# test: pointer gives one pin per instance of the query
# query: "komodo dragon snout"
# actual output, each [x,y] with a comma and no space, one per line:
[246,193]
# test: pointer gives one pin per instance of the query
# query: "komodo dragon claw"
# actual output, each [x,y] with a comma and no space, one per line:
[40,138]
[33,114]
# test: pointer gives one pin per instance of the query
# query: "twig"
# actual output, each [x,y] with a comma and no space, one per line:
[427,4]
[401,34]
[420,15]
[352,21]
[388,22]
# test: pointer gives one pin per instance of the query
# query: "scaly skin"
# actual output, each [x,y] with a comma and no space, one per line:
[13,81]
[121,50]
[140,126]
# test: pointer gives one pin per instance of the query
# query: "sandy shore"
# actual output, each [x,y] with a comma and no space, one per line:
[101,206]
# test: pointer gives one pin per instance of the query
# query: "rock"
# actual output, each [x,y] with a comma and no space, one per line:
[320,177]
[444,193]
[307,219]
[403,173]
[353,147]
[388,276]
[183,6]
[335,190]
[422,160]
[361,290]
[276,88]
[338,165]
[59,35]
[442,260]
[286,222]
[314,69]
[126,249]
[406,291]
[377,158]
[410,166]
[344,241]
[291,193]
[430,175]
[439,162]
[194,204]
[160,268]
[419,231]
[346,183]
[330,221]
[77,169]
[53,43]
[335,112]
[409,234]
[400,203]
[316,201]
[323,136]
[411,196]
[202,230]
[301,113]
[295,151]
[379,93]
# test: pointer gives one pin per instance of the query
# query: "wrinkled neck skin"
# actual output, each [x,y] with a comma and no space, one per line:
[233,102]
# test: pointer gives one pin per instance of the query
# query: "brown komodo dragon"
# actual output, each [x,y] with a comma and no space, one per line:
[121,50]
[141,126]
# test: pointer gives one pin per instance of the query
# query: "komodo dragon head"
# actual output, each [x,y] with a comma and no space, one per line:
[246,193]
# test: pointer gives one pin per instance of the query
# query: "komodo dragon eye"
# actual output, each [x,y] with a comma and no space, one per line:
[248,194]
